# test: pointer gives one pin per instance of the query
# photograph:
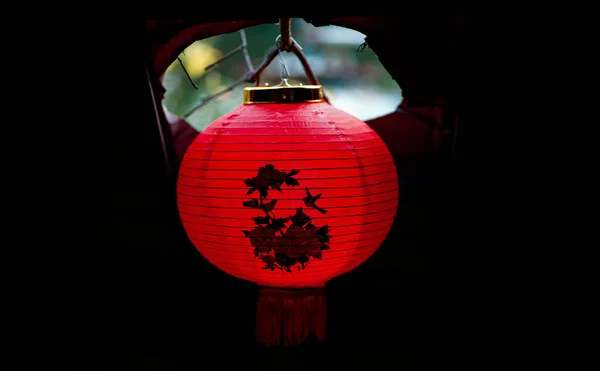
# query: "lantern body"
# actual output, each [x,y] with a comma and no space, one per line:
[333,179]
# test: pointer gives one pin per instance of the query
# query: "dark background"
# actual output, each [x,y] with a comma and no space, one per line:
[122,288]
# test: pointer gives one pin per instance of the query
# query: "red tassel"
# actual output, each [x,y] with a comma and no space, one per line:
[291,317]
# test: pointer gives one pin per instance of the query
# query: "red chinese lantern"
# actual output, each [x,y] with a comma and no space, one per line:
[288,192]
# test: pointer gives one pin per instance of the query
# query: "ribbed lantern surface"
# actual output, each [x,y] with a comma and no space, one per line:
[287,195]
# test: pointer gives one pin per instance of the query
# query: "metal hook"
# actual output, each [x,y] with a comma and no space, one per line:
[285,73]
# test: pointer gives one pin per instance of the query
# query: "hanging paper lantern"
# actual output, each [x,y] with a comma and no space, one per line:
[288,192]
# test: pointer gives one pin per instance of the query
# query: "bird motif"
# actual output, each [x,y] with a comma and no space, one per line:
[310,200]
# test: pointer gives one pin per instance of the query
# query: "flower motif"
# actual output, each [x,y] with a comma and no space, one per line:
[276,247]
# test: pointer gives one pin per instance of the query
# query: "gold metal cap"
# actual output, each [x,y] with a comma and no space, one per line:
[284,94]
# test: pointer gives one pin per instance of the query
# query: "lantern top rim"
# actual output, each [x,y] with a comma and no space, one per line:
[284,94]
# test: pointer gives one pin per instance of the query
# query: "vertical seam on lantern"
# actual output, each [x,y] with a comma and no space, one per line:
[361,167]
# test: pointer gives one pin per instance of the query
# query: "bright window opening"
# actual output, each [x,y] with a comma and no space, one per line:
[352,77]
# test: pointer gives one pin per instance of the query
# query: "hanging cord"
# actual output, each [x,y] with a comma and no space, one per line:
[285,74]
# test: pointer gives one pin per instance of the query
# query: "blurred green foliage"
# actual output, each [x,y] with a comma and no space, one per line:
[353,80]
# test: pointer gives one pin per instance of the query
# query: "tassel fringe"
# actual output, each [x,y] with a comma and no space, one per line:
[291,317]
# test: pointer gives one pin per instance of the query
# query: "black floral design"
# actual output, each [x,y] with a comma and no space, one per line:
[283,243]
